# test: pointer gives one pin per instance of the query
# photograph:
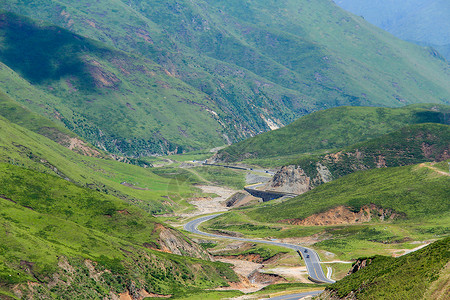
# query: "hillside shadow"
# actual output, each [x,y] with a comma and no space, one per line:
[42,53]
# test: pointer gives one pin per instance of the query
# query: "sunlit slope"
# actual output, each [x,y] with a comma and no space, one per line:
[410,145]
[263,63]
[333,128]
[418,192]
[63,241]
[419,275]
[25,148]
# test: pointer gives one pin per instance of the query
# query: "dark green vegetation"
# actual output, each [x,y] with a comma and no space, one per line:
[333,128]
[423,22]
[410,145]
[120,102]
[211,68]
[412,276]
[55,231]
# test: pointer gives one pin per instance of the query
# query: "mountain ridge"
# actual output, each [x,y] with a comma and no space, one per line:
[332,128]
[259,70]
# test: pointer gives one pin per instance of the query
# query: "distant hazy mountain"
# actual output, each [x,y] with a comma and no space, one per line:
[420,21]
[214,71]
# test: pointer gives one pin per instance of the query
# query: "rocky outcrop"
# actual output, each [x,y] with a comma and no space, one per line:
[172,241]
[293,179]
[344,215]
[359,264]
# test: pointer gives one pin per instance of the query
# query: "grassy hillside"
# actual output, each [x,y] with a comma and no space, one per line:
[22,147]
[63,241]
[410,145]
[419,275]
[22,116]
[263,63]
[416,191]
[88,87]
[333,128]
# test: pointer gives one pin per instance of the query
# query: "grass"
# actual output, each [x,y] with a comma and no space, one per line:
[293,65]
[42,211]
[223,176]
[209,295]
[86,85]
[410,145]
[407,277]
[24,148]
[330,129]
[415,191]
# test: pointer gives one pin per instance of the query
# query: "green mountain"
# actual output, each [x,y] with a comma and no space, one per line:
[416,192]
[78,226]
[420,21]
[333,128]
[419,275]
[257,65]
[25,148]
[59,240]
[381,211]
[410,145]
[117,101]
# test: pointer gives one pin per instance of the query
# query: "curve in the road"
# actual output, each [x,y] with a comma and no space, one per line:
[310,256]
[297,296]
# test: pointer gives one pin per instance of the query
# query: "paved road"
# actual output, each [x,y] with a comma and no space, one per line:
[310,257]
[297,296]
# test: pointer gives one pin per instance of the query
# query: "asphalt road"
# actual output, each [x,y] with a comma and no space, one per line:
[309,256]
[297,296]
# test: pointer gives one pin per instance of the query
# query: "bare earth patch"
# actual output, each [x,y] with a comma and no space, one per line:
[209,205]
[401,252]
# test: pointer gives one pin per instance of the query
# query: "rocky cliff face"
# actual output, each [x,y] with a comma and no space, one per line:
[171,241]
[293,179]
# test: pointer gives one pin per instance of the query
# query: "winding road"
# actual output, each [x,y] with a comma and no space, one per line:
[310,257]
[297,296]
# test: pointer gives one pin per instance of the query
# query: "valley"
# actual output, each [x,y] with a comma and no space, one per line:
[216,149]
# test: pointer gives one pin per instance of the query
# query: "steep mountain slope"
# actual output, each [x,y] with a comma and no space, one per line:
[410,145]
[333,128]
[264,64]
[420,21]
[59,240]
[419,275]
[120,102]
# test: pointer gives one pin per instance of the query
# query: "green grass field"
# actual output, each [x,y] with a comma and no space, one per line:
[27,149]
